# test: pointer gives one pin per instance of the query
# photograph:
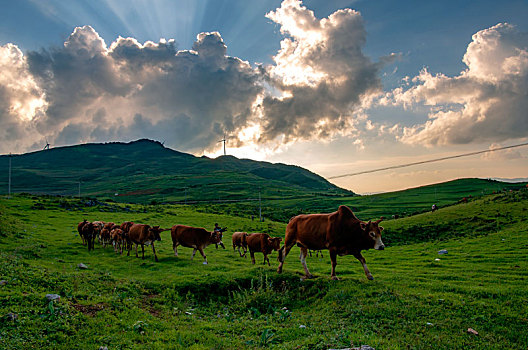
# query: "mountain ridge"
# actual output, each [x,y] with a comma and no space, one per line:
[159,173]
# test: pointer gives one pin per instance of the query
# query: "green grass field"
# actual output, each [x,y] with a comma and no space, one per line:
[415,302]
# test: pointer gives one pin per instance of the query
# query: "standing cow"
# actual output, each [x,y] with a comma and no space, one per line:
[341,232]
[193,237]
[262,242]
[140,234]
[79,229]
[240,240]
[88,233]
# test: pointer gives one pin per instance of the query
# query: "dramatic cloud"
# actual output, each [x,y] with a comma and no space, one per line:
[486,102]
[320,72]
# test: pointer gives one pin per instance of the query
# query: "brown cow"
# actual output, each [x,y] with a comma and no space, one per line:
[240,240]
[125,226]
[79,229]
[118,239]
[88,233]
[98,227]
[262,242]
[193,237]
[105,237]
[340,232]
[140,234]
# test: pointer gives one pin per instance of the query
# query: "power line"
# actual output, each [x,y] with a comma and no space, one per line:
[427,161]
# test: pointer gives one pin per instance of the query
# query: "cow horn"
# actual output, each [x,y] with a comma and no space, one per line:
[378,221]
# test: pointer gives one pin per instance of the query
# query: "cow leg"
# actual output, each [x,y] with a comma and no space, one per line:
[364,263]
[136,251]
[252,253]
[245,252]
[194,252]
[304,253]
[333,258]
[142,251]
[283,252]
[175,248]
[266,259]
[154,251]
[203,254]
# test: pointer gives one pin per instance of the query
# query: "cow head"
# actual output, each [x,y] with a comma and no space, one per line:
[372,232]
[155,232]
[274,243]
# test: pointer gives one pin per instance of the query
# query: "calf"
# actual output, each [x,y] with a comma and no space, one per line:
[262,242]
[140,234]
[240,240]
[193,237]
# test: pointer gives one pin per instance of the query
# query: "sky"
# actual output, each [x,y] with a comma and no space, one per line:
[337,87]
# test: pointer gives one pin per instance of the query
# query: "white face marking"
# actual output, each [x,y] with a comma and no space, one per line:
[378,243]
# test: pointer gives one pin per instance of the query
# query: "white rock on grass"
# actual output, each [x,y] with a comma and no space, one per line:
[443,251]
[82,266]
[52,297]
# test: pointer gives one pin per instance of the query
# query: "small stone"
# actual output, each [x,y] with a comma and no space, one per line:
[3,282]
[437,259]
[103,348]
[443,251]
[52,297]
[302,326]
[82,266]
[472,331]
[429,324]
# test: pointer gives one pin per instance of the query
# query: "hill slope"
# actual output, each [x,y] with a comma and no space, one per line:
[144,170]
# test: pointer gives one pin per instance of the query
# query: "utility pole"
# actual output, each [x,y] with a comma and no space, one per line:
[260,208]
[9,183]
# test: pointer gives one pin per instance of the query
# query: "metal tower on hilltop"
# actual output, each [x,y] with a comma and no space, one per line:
[224,141]
[47,145]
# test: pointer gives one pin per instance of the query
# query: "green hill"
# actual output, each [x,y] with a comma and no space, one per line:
[143,171]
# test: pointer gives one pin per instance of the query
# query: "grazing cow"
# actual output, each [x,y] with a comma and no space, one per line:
[79,229]
[262,242]
[88,233]
[240,240]
[140,234]
[340,232]
[193,237]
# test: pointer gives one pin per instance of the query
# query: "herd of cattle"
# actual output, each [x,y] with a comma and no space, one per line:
[340,232]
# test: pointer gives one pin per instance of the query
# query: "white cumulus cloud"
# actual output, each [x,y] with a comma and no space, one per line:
[486,102]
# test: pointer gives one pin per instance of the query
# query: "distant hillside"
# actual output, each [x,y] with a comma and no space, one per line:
[144,171]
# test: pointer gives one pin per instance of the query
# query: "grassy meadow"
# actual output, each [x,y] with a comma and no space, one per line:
[418,299]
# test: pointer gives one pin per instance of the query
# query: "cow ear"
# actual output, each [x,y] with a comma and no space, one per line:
[363,225]
[380,228]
